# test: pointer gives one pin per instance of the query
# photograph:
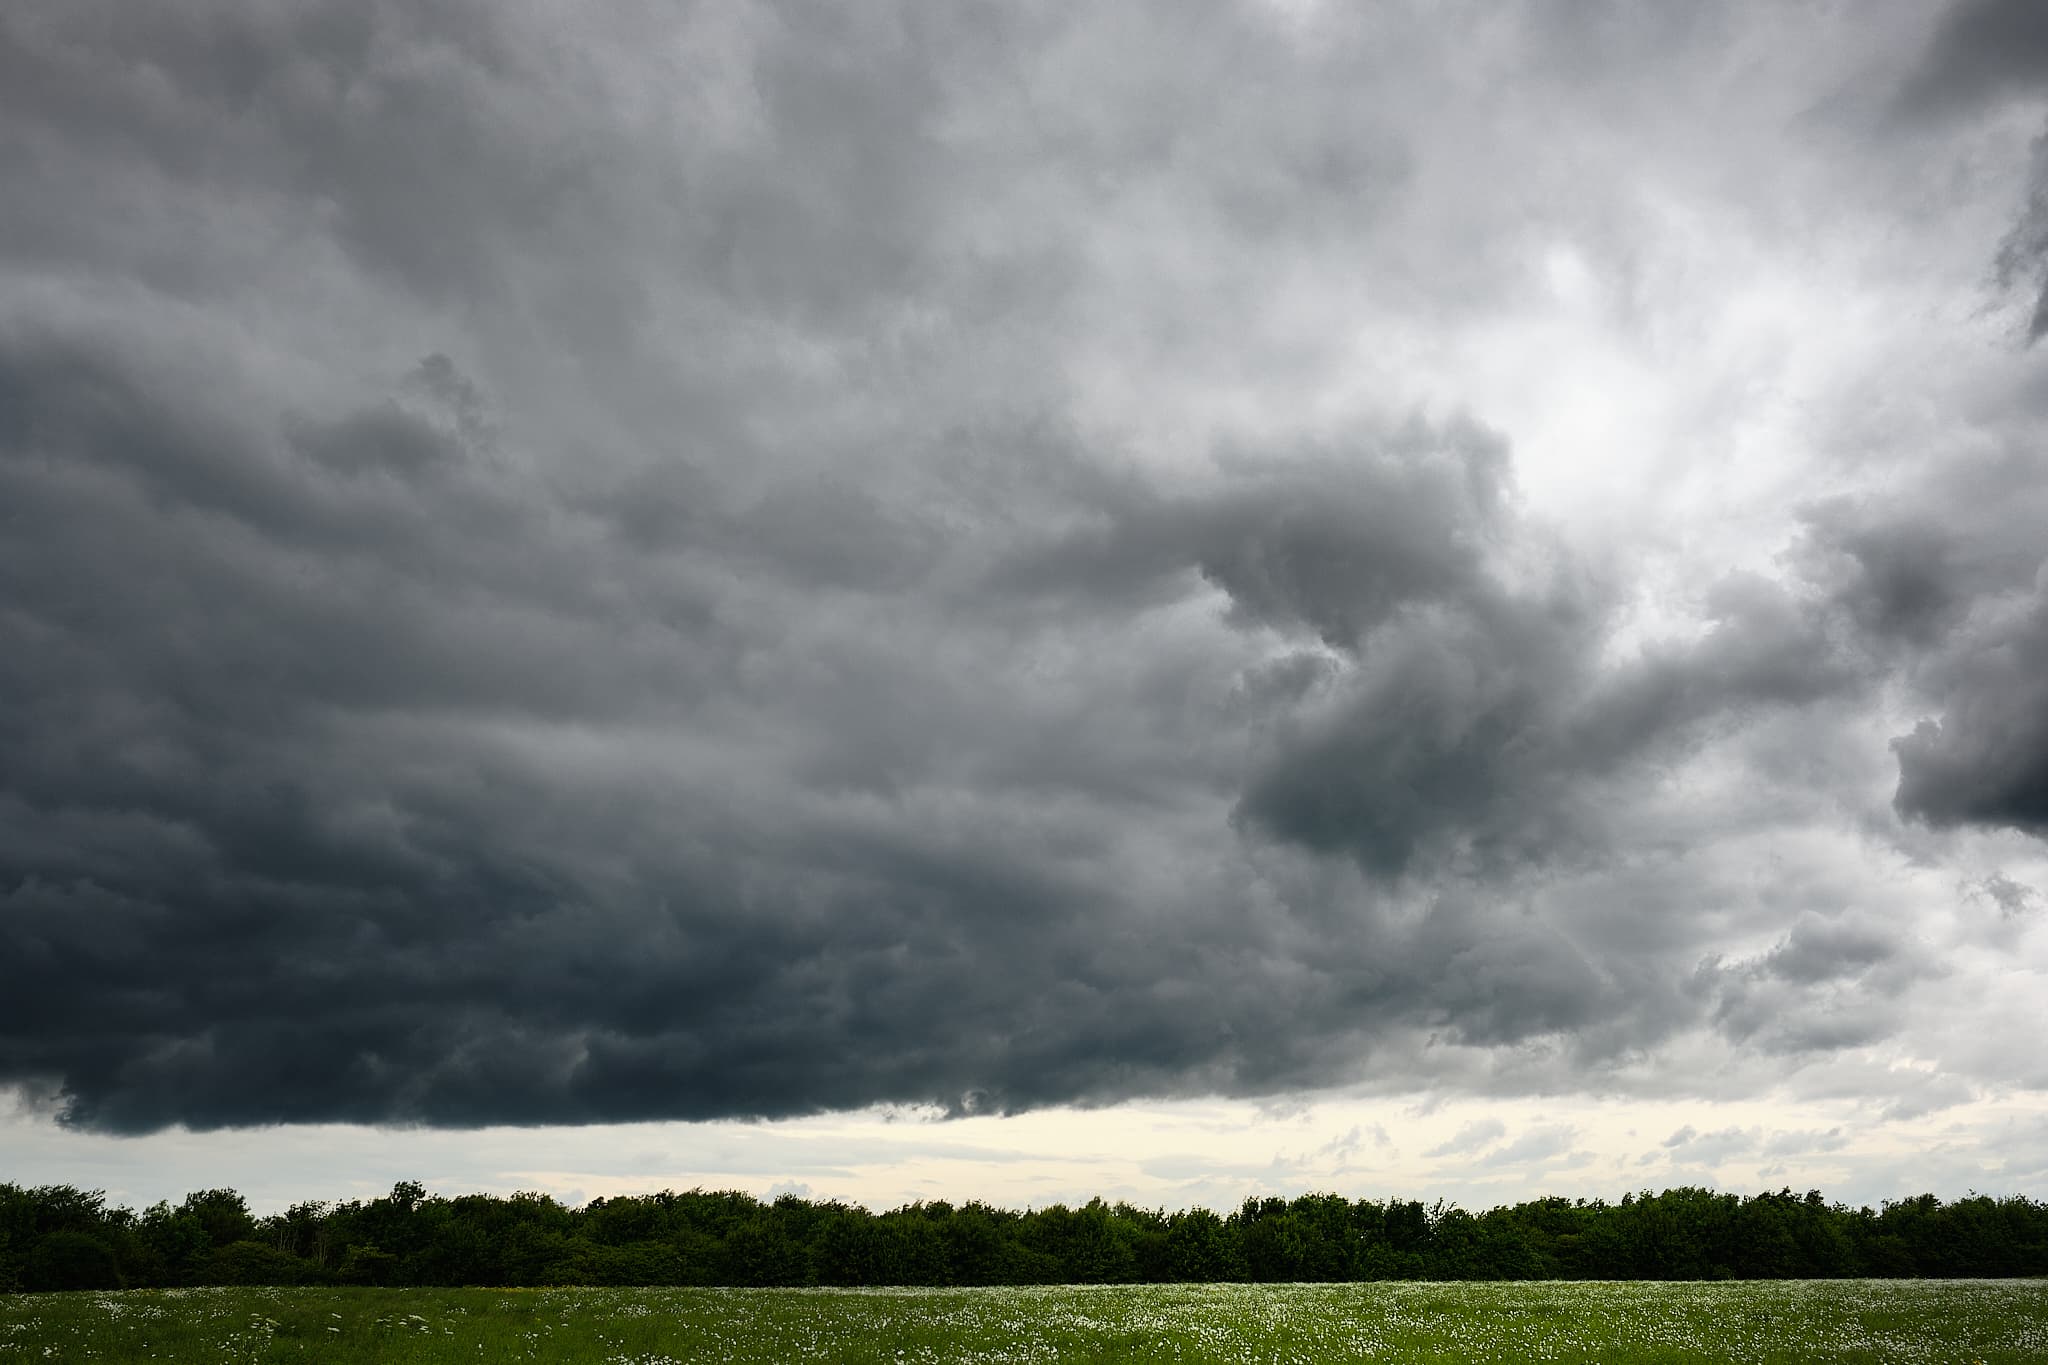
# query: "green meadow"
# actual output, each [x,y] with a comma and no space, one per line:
[1854,1320]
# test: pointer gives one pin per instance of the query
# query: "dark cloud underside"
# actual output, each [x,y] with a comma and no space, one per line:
[721,568]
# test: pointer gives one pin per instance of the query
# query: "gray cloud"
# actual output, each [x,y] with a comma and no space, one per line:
[1983,53]
[1954,590]
[1828,984]
[1980,50]
[1546,1143]
[1338,542]
[1933,1095]
[314,825]
[1801,1143]
[1481,729]
[794,559]
[1473,1137]
[2012,898]
[1898,582]
[1710,1149]
[1986,760]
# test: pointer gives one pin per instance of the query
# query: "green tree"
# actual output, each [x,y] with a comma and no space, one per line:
[223,1214]
[1200,1248]
[68,1259]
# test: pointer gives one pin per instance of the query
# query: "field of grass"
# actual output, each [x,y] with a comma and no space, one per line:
[1864,1320]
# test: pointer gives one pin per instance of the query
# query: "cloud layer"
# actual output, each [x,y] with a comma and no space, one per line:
[778,558]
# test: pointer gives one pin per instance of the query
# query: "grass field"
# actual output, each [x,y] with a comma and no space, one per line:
[1867,1320]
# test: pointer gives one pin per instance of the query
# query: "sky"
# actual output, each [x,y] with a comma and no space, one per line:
[1172,600]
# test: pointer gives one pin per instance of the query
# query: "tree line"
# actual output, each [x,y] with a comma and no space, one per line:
[55,1237]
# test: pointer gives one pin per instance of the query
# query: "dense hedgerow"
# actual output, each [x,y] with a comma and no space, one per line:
[57,1237]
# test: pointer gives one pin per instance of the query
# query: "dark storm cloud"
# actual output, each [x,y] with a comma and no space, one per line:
[1828,984]
[1469,712]
[1981,50]
[1953,588]
[1985,761]
[1485,727]
[1899,582]
[2021,264]
[269,857]
[572,576]
[1982,53]
[1334,542]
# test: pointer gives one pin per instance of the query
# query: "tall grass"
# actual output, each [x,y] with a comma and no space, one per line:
[1949,1320]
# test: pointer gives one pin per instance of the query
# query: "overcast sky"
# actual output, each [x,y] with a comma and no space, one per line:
[1167,599]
